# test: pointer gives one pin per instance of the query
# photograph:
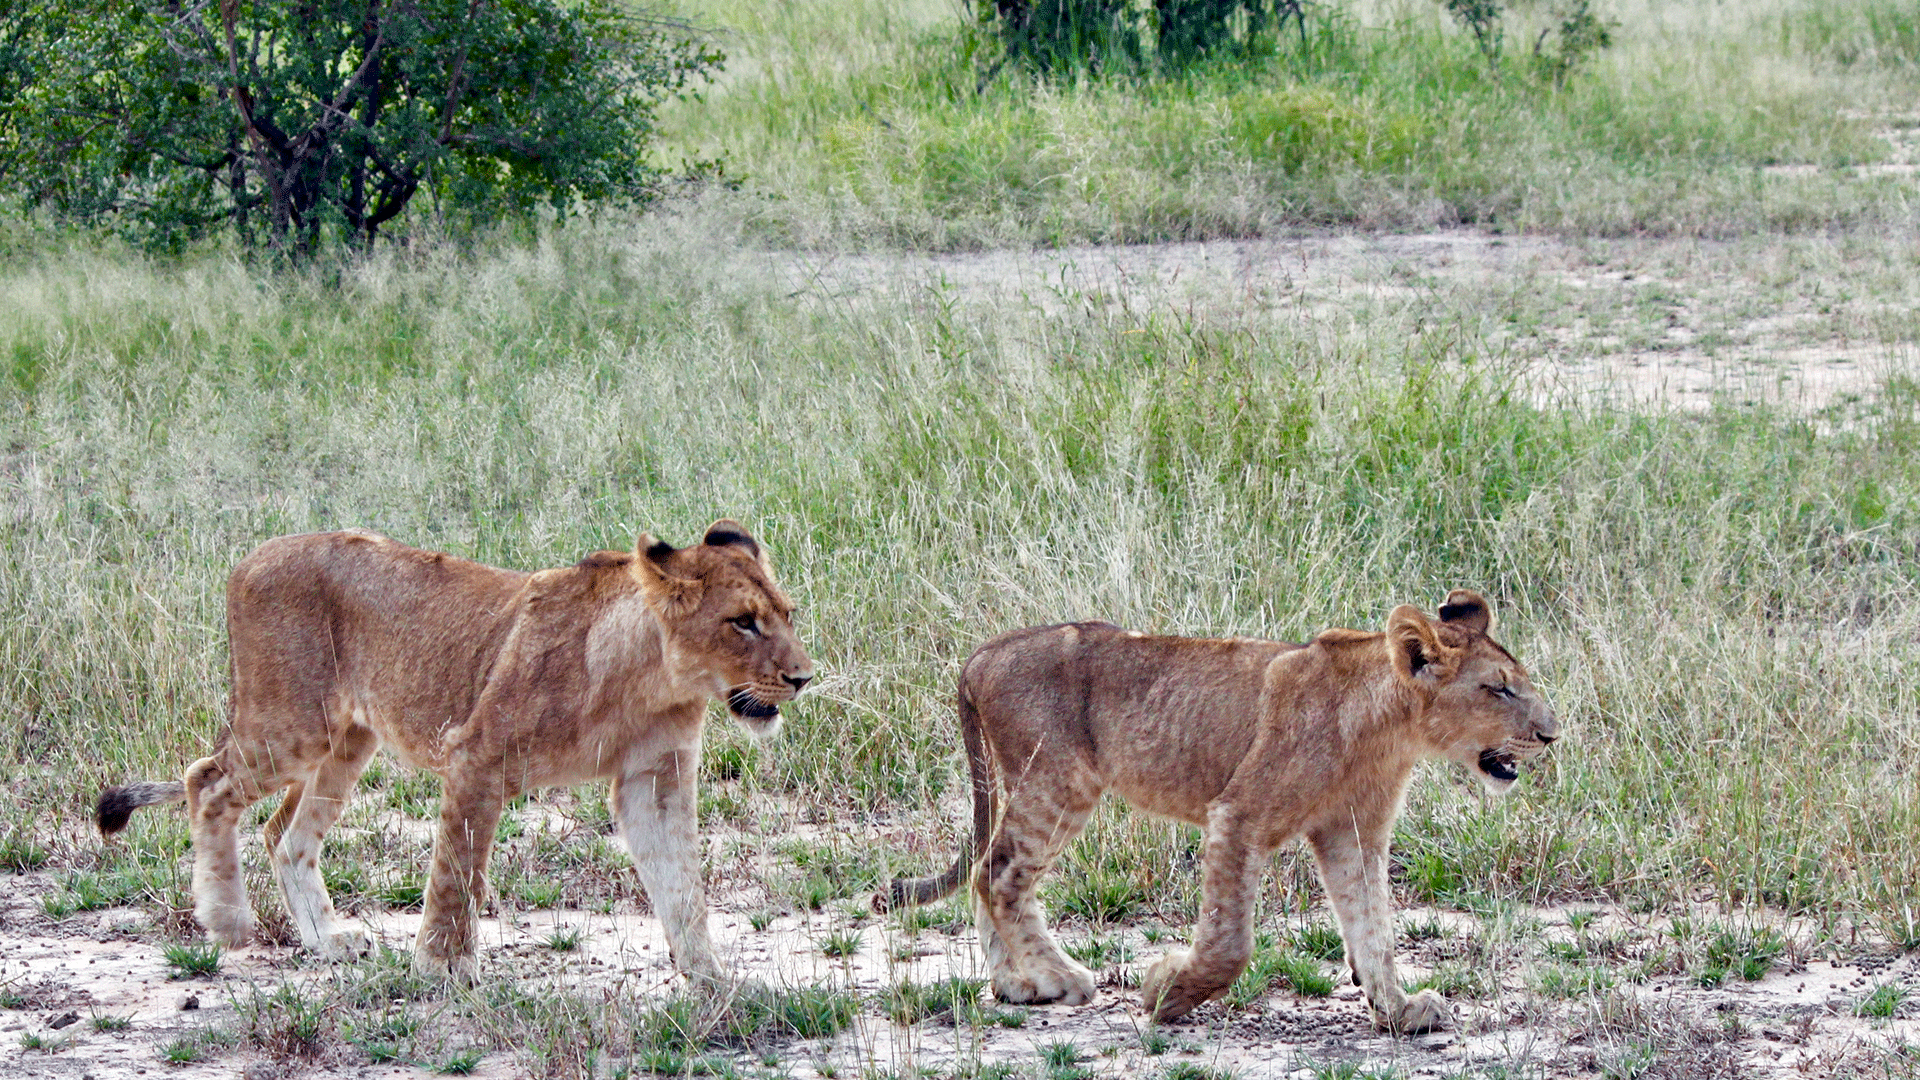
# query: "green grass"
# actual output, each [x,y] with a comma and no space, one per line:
[911,1002]
[1270,968]
[1647,567]
[191,959]
[1884,1002]
[860,122]
[929,466]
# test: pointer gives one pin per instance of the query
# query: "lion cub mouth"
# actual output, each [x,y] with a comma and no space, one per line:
[1498,765]
[745,703]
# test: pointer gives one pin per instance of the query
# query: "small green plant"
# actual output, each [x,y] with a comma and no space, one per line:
[1102,896]
[1320,941]
[1057,1054]
[403,895]
[539,894]
[1348,1070]
[1193,1070]
[762,919]
[20,852]
[842,944]
[1572,980]
[909,1003]
[286,1022]
[1629,1062]
[197,1046]
[1154,1042]
[1099,952]
[33,1040]
[1883,1003]
[109,1022]
[1455,980]
[1748,955]
[807,1012]
[188,959]
[462,1062]
[1271,967]
[93,891]
[564,939]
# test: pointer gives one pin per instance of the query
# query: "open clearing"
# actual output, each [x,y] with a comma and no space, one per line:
[1568,991]
[1701,984]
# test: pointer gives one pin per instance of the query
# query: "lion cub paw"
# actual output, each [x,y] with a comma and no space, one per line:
[1424,1012]
[230,926]
[347,945]
[453,971]
[1161,992]
[1053,985]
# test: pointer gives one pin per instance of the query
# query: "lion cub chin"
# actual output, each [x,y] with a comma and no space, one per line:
[1257,741]
[498,681]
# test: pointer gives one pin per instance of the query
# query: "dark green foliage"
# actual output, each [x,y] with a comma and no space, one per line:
[303,123]
[1572,34]
[1118,35]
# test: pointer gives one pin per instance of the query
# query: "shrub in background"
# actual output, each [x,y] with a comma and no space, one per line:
[300,123]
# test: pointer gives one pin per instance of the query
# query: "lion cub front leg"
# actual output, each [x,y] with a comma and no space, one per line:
[470,810]
[1223,938]
[657,808]
[1353,868]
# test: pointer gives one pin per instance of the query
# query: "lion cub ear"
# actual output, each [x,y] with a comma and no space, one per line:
[1468,609]
[1419,656]
[663,590]
[729,533]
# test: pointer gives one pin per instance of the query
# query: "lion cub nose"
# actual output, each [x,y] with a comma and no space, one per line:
[798,681]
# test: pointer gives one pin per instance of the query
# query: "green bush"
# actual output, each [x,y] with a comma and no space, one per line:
[303,123]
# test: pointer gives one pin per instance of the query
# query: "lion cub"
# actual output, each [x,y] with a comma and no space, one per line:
[1257,741]
[497,681]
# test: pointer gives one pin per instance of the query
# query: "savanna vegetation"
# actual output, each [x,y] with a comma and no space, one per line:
[1720,602]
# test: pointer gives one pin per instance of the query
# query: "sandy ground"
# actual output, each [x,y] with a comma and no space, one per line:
[1705,350]
[1797,1021]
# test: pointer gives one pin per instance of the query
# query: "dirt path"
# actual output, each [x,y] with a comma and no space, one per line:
[1648,323]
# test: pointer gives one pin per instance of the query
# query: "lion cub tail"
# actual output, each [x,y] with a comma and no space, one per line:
[117,804]
[913,891]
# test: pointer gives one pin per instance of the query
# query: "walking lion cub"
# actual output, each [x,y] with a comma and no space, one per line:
[496,680]
[1257,741]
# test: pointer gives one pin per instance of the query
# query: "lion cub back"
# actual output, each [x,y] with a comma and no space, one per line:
[1094,704]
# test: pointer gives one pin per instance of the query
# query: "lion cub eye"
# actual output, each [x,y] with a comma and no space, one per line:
[1502,690]
[746,624]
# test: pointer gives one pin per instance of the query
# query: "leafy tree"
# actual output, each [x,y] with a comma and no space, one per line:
[301,120]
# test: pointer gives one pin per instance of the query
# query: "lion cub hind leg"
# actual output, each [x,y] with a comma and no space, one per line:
[1026,964]
[219,790]
[294,838]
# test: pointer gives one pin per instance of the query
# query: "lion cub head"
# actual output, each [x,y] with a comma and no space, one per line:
[725,621]
[1481,710]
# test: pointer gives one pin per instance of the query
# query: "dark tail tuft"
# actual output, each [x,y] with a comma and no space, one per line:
[905,892]
[117,804]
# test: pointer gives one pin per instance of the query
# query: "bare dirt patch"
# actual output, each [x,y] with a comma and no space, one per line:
[1552,992]
[1659,324]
